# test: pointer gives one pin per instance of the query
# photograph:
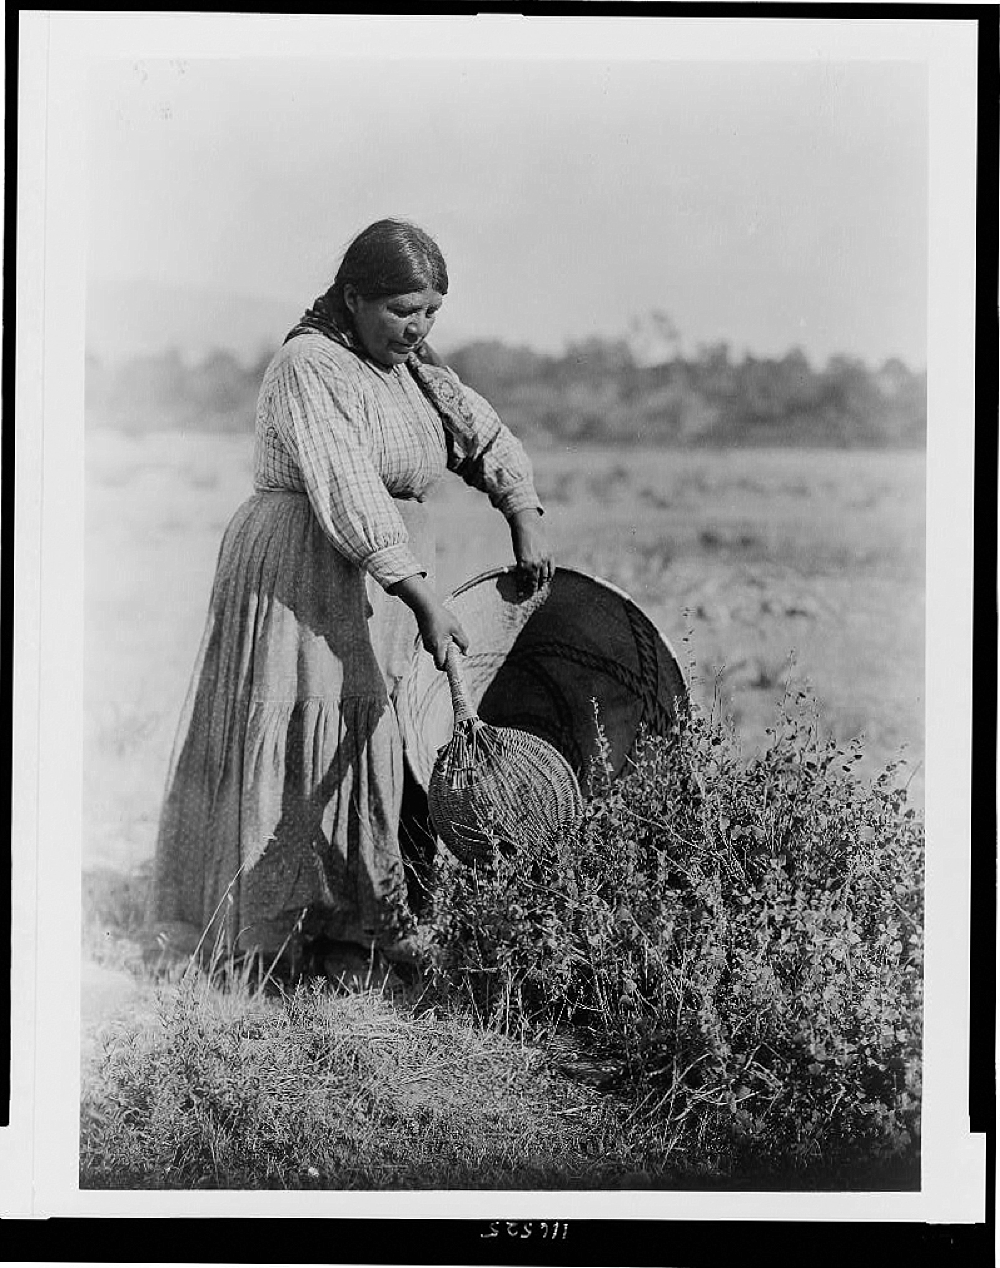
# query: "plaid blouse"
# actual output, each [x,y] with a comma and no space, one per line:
[353,436]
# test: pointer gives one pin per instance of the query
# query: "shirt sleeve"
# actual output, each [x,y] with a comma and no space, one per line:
[320,415]
[497,463]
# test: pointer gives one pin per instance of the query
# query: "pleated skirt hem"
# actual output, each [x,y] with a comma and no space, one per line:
[281,812]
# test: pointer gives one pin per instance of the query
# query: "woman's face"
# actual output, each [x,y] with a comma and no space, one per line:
[390,329]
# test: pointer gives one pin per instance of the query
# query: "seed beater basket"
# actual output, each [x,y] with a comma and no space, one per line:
[495,787]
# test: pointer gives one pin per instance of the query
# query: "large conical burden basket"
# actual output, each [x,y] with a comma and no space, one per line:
[540,663]
[497,788]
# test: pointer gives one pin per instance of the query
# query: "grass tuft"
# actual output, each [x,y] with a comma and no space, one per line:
[313,1090]
[717,982]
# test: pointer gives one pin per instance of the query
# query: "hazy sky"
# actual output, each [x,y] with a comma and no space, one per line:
[766,203]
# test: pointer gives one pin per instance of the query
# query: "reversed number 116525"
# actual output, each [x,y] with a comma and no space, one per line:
[550,1230]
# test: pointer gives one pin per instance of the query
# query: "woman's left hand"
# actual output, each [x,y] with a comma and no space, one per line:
[531,548]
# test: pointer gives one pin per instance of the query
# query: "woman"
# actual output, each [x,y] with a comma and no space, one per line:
[281,818]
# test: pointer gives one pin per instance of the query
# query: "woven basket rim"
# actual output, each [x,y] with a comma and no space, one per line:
[417,757]
[506,569]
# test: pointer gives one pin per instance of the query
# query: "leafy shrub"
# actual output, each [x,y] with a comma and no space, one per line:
[743,936]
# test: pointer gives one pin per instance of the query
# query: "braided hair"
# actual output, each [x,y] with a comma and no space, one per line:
[390,257]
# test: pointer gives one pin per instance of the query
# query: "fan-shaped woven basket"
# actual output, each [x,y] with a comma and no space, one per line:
[537,664]
[497,788]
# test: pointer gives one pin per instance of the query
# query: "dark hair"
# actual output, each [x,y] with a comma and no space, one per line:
[390,257]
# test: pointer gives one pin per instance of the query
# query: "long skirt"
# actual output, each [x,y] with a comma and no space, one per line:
[283,795]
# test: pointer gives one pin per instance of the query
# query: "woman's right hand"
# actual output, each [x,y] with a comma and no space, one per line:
[439,627]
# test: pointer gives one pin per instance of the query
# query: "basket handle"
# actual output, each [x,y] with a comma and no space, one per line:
[464,711]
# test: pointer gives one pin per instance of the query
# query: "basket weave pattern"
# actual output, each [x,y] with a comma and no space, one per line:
[539,663]
[497,787]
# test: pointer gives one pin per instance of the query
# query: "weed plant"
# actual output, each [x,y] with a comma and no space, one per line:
[741,939]
[736,943]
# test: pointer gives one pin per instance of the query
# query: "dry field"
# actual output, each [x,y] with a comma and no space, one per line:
[755,565]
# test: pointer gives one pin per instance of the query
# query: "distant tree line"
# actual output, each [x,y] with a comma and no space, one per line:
[163,391]
[598,391]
